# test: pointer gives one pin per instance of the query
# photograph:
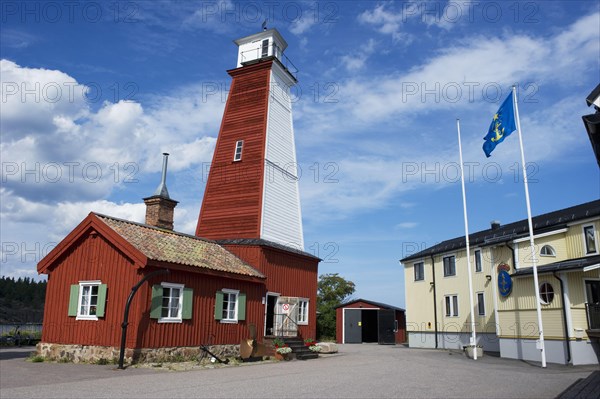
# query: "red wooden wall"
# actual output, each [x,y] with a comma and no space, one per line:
[97,259]
[288,274]
[92,257]
[232,202]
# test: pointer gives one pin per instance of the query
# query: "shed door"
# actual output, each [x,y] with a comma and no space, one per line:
[352,328]
[386,320]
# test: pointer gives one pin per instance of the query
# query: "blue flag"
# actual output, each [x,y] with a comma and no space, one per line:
[501,127]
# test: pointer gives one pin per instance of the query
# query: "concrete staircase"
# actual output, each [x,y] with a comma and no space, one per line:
[300,350]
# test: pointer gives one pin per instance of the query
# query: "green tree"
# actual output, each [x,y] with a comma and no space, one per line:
[332,290]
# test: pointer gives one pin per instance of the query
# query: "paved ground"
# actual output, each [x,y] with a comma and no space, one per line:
[358,371]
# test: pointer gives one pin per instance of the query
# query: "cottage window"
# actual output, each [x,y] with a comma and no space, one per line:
[230,306]
[87,300]
[547,250]
[171,303]
[419,271]
[451,305]
[589,236]
[478,266]
[303,311]
[480,304]
[237,156]
[449,266]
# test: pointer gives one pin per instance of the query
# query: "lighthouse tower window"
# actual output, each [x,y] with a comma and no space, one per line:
[265,48]
[238,150]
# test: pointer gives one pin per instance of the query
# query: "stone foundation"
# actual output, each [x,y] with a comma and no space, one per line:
[110,354]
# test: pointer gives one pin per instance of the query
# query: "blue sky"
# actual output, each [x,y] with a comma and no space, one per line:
[94,92]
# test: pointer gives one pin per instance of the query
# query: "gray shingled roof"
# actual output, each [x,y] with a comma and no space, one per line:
[506,233]
[571,264]
[169,246]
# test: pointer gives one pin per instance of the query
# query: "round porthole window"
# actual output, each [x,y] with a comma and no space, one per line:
[546,293]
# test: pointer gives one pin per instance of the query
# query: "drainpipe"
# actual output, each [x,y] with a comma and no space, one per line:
[564,313]
[514,257]
[126,313]
[435,321]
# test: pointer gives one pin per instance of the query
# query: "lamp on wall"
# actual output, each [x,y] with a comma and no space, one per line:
[432,284]
[488,277]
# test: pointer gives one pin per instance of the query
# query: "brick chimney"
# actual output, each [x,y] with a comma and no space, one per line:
[160,207]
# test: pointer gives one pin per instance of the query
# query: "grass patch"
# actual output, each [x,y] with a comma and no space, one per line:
[34,358]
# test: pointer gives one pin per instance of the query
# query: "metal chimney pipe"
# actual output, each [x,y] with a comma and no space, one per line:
[161,190]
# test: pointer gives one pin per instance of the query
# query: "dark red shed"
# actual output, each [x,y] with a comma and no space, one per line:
[367,321]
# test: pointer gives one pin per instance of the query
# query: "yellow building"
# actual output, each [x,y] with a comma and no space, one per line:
[567,249]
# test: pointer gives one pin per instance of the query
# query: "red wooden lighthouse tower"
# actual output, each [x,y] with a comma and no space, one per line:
[251,202]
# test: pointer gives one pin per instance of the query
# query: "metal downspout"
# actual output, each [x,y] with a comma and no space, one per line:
[514,257]
[126,312]
[564,313]
[435,320]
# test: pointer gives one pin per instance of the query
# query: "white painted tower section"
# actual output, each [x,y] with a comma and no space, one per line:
[281,218]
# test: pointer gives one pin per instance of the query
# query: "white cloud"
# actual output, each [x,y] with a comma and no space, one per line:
[382,110]
[301,25]
[72,152]
[215,16]
[386,22]
[407,225]
[357,60]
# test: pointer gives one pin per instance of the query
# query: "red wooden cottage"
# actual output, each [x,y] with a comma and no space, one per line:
[245,266]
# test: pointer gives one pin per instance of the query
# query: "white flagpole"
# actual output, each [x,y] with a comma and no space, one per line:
[531,243]
[462,179]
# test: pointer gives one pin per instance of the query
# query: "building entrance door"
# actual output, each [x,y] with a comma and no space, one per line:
[592,291]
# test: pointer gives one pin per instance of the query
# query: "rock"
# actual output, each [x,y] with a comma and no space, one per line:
[328,347]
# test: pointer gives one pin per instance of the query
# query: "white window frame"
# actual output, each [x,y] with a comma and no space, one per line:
[237,154]
[480,263]
[550,247]
[444,265]
[451,305]
[553,293]
[422,267]
[585,242]
[226,294]
[303,304]
[171,319]
[480,303]
[82,284]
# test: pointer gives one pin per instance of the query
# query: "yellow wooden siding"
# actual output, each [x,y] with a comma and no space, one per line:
[557,241]
[419,298]
[522,296]
[523,324]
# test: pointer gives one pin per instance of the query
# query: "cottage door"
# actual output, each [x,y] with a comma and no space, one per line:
[270,310]
[286,316]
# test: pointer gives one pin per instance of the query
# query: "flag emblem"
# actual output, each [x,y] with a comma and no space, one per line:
[503,124]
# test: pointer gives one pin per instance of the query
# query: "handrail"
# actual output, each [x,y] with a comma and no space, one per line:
[273,52]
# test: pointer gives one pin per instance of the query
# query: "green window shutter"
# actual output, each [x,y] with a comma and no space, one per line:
[241,306]
[101,300]
[186,311]
[219,306]
[74,300]
[156,304]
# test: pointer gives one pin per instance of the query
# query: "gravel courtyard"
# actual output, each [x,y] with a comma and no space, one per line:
[358,371]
